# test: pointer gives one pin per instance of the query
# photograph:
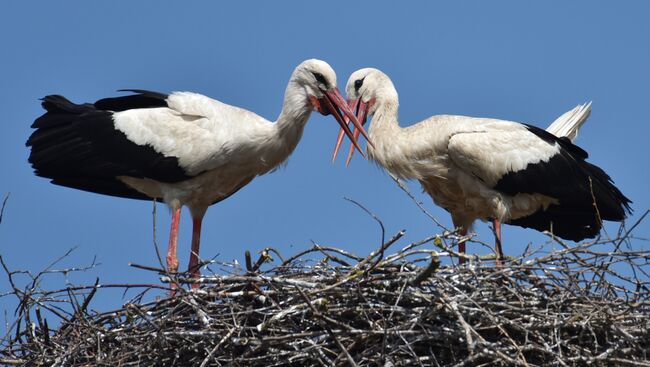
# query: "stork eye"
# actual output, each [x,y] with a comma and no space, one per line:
[320,78]
[358,83]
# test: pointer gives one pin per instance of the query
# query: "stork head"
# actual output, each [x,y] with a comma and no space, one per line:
[369,86]
[367,89]
[318,80]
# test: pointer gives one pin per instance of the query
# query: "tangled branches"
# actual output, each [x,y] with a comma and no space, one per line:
[587,304]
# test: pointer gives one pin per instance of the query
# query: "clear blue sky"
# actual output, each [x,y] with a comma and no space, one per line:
[509,59]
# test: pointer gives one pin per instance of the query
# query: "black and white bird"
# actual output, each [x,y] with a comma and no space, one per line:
[182,148]
[489,169]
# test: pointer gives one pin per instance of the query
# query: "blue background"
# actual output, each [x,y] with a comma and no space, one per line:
[507,59]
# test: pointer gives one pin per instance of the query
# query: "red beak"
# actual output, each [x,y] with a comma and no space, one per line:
[353,104]
[361,109]
[333,101]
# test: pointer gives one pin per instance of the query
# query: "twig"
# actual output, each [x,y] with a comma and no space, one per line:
[4,203]
[417,202]
[434,264]
[371,214]
[326,327]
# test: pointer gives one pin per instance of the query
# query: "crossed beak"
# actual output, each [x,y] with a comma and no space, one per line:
[332,102]
[361,109]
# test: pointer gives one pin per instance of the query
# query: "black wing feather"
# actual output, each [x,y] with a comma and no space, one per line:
[575,183]
[77,145]
[142,99]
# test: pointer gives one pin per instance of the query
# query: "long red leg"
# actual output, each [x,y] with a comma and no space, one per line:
[172,260]
[497,240]
[193,267]
[461,245]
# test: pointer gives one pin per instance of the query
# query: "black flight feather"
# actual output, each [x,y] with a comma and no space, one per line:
[575,183]
[78,146]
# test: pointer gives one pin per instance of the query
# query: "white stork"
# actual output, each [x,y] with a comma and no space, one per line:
[182,148]
[489,169]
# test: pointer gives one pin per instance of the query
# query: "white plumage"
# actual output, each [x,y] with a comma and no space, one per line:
[570,122]
[489,169]
[182,148]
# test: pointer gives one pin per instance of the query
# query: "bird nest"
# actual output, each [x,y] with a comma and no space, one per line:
[586,304]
